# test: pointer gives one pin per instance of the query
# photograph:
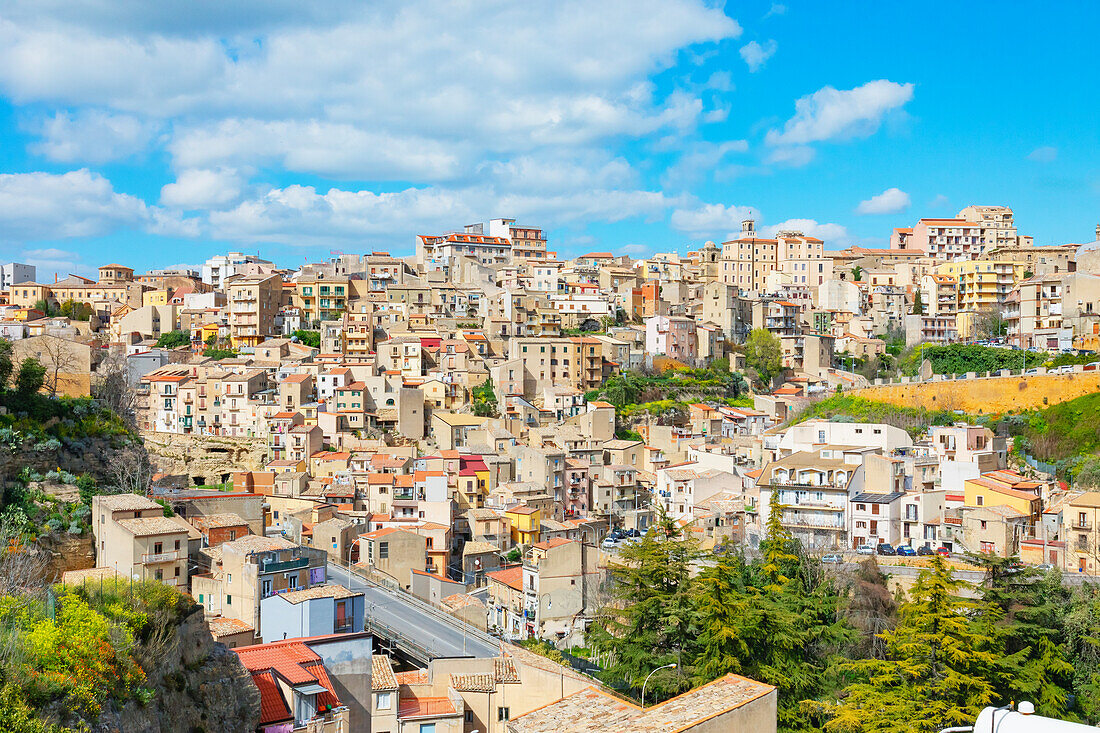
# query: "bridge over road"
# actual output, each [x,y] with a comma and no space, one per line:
[403,622]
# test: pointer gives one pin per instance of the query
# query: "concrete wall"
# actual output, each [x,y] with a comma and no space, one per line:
[995,394]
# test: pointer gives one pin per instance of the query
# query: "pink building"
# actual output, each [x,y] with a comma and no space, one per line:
[672,336]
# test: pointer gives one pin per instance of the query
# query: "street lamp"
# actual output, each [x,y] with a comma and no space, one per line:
[667,666]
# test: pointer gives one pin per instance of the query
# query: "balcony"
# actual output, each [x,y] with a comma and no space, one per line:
[152,558]
[1081,524]
[285,565]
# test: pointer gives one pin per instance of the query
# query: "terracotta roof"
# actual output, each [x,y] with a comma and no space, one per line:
[149,526]
[292,661]
[594,711]
[220,627]
[127,502]
[473,682]
[336,592]
[381,673]
[511,577]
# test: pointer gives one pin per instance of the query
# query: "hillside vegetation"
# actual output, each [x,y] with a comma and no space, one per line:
[846,408]
[963,358]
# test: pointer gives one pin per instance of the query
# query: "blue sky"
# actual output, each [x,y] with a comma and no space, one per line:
[131,132]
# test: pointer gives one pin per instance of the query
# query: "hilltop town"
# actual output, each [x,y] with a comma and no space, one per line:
[399,486]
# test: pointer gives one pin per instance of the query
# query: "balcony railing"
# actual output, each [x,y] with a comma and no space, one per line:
[278,567]
[1082,524]
[151,558]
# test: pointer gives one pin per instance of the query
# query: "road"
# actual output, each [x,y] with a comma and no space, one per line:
[970,576]
[442,636]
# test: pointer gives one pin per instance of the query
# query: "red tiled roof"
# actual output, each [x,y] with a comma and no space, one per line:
[511,577]
[273,708]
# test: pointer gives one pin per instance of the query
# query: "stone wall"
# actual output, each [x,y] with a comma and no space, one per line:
[208,458]
[988,394]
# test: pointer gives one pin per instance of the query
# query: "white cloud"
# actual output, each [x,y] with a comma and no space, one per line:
[890,201]
[464,111]
[698,159]
[711,219]
[92,136]
[563,73]
[200,188]
[835,114]
[51,261]
[756,54]
[795,156]
[633,249]
[776,9]
[1043,154]
[939,202]
[46,206]
[302,215]
[834,235]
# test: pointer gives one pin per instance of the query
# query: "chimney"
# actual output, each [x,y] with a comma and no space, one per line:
[748,227]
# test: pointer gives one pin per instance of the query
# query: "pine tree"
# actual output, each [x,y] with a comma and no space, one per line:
[724,639]
[936,671]
[654,621]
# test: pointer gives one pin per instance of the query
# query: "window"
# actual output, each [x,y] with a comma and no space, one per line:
[292,580]
[382,701]
[229,600]
[469,716]
[502,713]
[200,598]
[427,728]
[383,550]
[981,501]
[983,524]
[158,547]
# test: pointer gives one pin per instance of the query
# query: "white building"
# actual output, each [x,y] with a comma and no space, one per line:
[14,273]
[219,268]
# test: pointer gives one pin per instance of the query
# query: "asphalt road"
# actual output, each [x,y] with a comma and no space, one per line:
[443,637]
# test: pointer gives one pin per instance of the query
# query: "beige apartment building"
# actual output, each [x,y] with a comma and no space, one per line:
[973,234]
[254,302]
[748,260]
[391,554]
[1081,522]
[252,568]
[136,540]
[571,362]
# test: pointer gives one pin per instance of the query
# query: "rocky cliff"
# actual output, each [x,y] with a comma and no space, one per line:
[200,687]
[206,459]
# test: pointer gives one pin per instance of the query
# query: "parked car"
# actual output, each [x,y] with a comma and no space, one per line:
[1044,567]
[1065,369]
[943,552]
[906,551]
[1092,366]
[633,533]
[832,559]
[1032,371]
[925,550]
[609,543]
[885,548]
[865,550]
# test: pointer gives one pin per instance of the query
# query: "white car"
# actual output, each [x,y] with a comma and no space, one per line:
[1066,369]
[609,543]
[865,550]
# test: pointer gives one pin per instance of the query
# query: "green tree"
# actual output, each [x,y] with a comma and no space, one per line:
[30,378]
[918,303]
[309,338]
[737,385]
[936,671]
[485,399]
[764,354]
[7,366]
[174,339]
[653,622]
[857,273]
